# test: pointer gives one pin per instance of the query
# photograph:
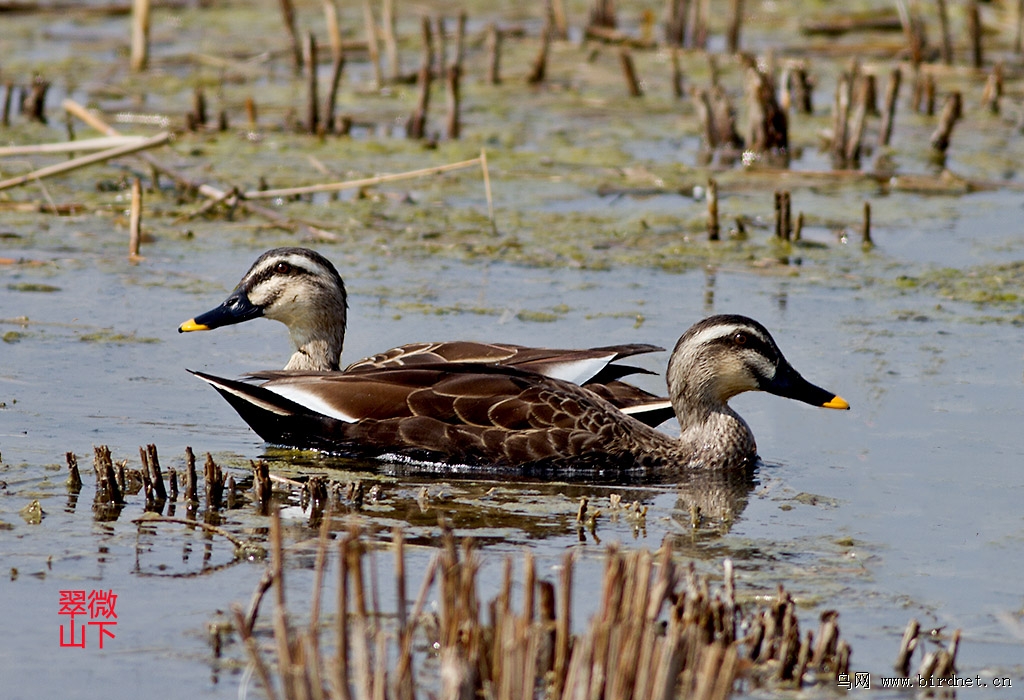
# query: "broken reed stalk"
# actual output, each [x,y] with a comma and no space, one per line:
[951,113]
[1018,39]
[74,481]
[539,67]
[251,113]
[778,215]
[866,227]
[139,59]
[135,220]
[947,39]
[288,15]
[855,132]
[453,77]
[416,128]
[262,484]
[993,91]
[333,28]
[712,195]
[735,25]
[487,190]
[678,90]
[892,92]
[214,480]
[767,124]
[198,117]
[313,98]
[107,491]
[191,485]
[787,216]
[907,646]
[929,94]
[675,17]
[84,161]
[974,30]
[5,115]
[559,21]
[33,104]
[629,72]
[337,68]
[493,54]
[840,120]
[155,473]
[388,22]
[372,46]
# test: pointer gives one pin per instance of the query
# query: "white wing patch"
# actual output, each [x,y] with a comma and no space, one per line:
[308,399]
[577,371]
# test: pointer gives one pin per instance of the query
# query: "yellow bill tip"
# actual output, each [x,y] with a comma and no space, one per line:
[191,325]
[836,402]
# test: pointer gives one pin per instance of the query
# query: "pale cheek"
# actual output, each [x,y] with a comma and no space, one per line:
[731,385]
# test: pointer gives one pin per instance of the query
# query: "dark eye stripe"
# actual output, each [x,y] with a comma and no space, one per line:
[270,271]
[754,342]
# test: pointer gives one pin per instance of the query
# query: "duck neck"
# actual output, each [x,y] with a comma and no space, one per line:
[709,428]
[317,346]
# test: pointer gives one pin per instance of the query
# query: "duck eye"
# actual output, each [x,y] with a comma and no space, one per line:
[282,268]
[740,338]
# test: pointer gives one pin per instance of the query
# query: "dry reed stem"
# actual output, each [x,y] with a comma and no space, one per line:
[95,144]
[416,126]
[309,51]
[364,182]
[288,16]
[388,21]
[493,44]
[135,221]
[83,161]
[713,227]
[140,35]
[254,653]
[371,43]
[333,28]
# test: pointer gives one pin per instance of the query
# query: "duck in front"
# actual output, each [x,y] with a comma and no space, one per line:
[504,417]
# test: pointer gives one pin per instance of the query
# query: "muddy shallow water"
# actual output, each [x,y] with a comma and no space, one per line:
[907,506]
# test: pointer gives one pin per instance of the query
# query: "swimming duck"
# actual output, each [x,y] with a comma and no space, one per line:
[303,290]
[501,416]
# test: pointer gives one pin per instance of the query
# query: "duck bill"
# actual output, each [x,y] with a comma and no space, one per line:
[789,384]
[235,309]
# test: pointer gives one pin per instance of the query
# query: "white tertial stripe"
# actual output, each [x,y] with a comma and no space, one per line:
[309,400]
[645,407]
[577,371]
